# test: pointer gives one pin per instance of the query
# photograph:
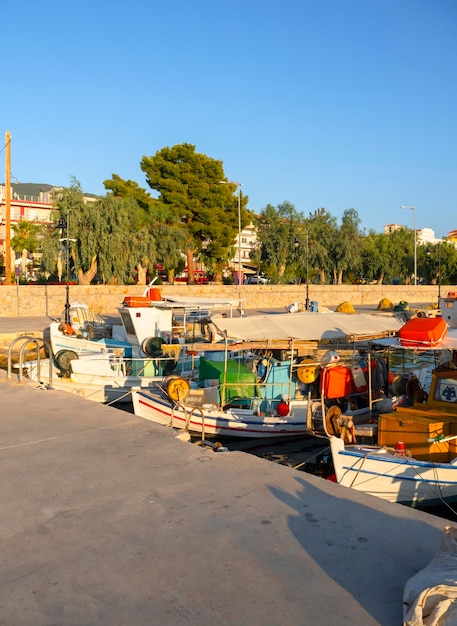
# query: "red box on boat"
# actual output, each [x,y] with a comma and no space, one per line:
[336,381]
[423,332]
[136,301]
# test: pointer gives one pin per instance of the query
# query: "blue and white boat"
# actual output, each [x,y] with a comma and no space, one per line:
[415,459]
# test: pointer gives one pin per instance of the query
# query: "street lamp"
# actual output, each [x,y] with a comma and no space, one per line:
[238,185]
[439,273]
[413,208]
[65,225]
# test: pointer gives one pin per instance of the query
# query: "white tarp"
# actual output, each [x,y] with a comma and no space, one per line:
[308,326]
[429,597]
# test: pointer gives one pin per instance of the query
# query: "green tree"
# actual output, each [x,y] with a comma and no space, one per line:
[160,221]
[375,253]
[129,189]
[113,231]
[437,263]
[27,236]
[107,237]
[323,229]
[345,248]
[401,261]
[67,203]
[188,184]
[277,231]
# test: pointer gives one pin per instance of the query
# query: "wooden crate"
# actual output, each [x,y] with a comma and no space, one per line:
[453,442]
[415,430]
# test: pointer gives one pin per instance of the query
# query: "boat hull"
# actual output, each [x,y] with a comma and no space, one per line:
[208,420]
[385,474]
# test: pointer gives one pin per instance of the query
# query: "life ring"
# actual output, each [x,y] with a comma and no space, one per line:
[176,388]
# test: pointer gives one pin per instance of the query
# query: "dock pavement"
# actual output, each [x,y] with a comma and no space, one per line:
[108,519]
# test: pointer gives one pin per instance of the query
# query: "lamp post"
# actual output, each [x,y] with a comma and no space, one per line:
[238,185]
[307,274]
[413,208]
[64,224]
[439,273]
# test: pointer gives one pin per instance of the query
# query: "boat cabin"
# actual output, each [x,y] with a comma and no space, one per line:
[448,307]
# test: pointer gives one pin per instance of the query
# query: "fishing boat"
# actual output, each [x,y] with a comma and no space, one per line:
[104,377]
[448,308]
[147,322]
[102,363]
[414,461]
[263,382]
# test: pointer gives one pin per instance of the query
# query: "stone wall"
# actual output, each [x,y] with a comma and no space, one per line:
[33,300]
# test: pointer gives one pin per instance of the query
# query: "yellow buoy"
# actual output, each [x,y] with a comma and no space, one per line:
[307,371]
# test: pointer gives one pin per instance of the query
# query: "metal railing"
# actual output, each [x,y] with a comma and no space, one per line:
[39,344]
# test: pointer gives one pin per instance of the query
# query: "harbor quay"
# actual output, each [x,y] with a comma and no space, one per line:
[108,519]
[49,300]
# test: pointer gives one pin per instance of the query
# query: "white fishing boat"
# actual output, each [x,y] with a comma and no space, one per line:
[448,308]
[147,322]
[262,384]
[415,459]
[102,377]
[102,363]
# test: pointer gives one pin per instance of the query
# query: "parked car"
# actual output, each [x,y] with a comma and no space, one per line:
[258,279]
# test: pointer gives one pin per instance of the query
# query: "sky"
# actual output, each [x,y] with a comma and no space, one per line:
[321,103]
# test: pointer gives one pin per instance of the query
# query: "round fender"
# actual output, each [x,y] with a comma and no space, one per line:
[307,371]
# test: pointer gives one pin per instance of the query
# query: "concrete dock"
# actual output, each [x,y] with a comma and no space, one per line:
[108,520]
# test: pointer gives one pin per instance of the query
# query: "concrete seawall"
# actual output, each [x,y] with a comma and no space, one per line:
[34,300]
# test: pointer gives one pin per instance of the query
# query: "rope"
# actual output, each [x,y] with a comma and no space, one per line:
[312,458]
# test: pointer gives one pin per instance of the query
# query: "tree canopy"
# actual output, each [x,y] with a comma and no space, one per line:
[189,186]
[192,211]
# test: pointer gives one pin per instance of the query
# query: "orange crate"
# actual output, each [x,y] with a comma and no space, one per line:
[136,301]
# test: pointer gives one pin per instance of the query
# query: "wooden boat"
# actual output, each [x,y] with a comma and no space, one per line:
[147,322]
[102,377]
[415,459]
[102,363]
[264,386]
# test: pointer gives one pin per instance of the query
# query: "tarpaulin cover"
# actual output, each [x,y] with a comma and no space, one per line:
[241,383]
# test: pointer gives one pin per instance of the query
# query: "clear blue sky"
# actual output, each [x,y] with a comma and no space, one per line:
[324,103]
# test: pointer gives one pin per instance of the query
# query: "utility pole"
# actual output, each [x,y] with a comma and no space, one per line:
[8,209]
